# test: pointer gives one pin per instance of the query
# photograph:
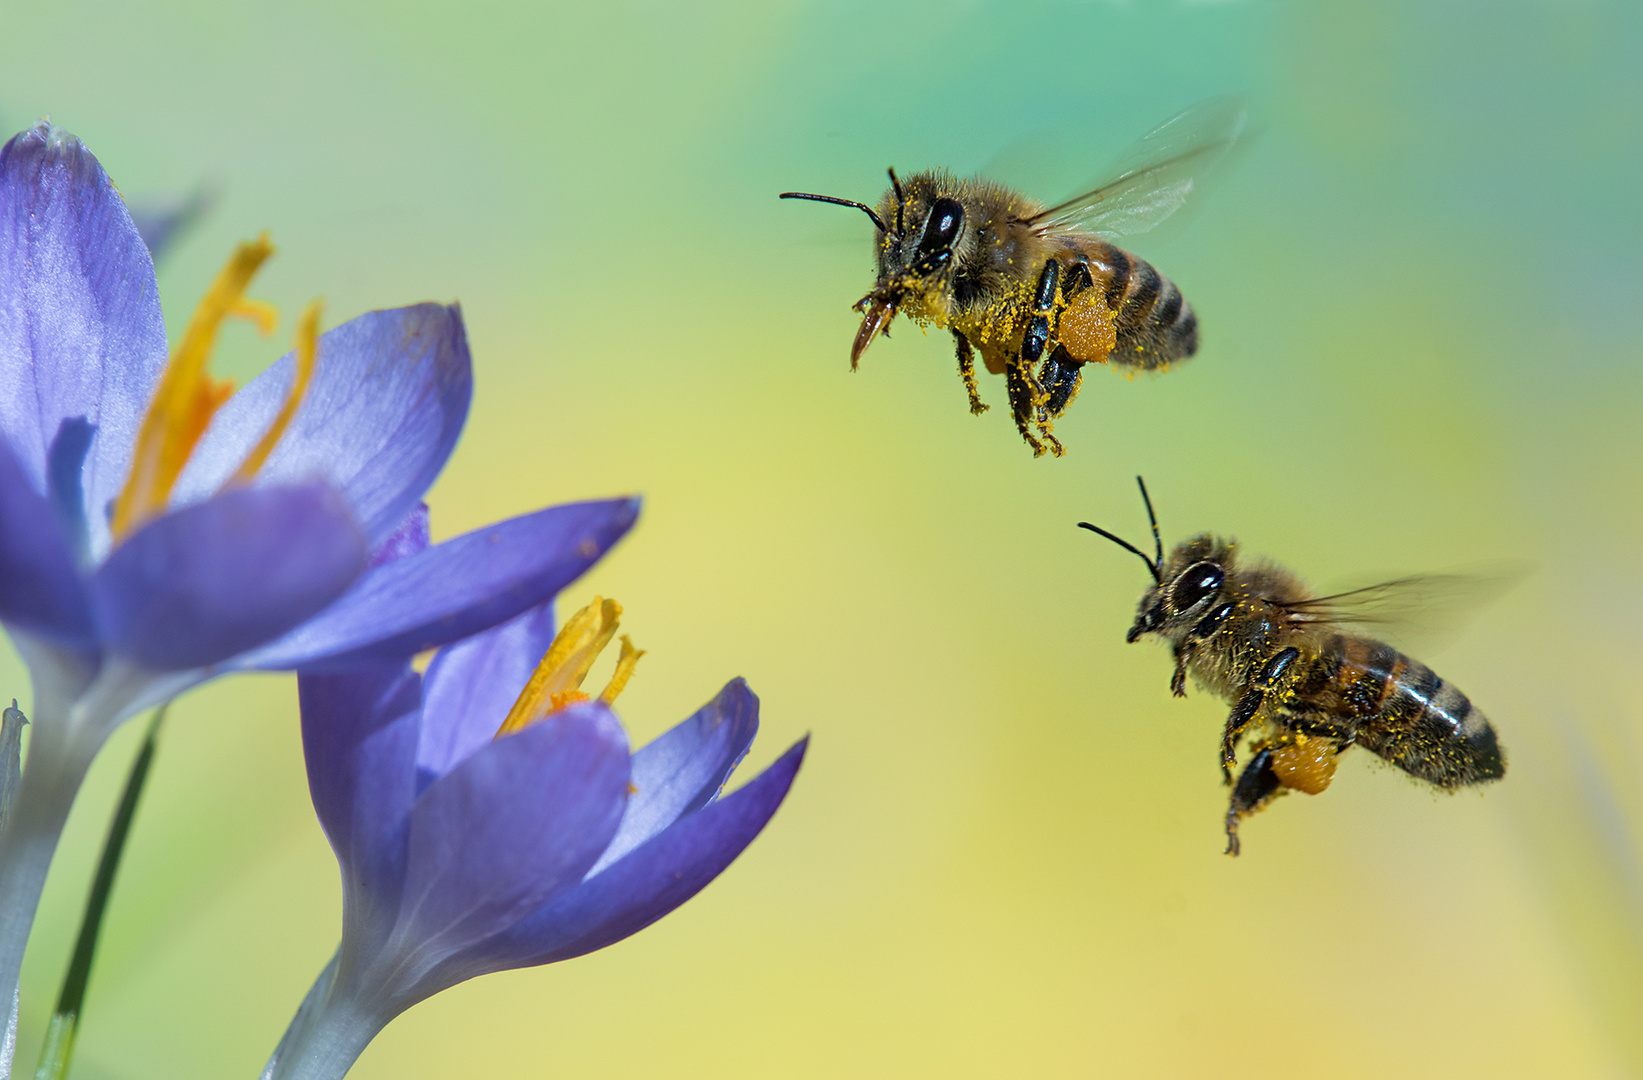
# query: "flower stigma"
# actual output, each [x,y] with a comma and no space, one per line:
[188,396]
[557,681]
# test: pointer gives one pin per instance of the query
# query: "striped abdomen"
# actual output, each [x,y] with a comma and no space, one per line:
[1155,324]
[1404,712]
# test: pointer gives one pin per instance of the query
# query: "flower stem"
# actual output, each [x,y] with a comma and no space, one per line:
[55,769]
[326,1037]
[65,738]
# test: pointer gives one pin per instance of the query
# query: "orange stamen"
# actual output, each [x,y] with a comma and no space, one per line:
[556,683]
[187,396]
[307,355]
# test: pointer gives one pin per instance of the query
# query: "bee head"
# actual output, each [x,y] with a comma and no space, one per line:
[1184,587]
[919,229]
[918,241]
[1190,583]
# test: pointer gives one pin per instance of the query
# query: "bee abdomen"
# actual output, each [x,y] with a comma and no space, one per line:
[1154,323]
[1426,726]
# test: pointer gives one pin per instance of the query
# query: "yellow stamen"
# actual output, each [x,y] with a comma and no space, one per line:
[624,671]
[187,395]
[261,312]
[556,683]
[307,354]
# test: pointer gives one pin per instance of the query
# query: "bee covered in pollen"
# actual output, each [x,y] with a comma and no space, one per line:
[1302,686]
[1039,291]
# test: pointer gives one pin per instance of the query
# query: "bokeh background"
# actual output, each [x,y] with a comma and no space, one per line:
[1421,292]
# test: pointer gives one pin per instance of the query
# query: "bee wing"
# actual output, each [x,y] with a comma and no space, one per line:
[1421,607]
[1151,179]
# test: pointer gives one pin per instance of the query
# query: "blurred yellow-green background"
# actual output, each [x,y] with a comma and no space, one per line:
[1421,293]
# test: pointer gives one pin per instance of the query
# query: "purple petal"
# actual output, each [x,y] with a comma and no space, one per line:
[389,395]
[513,825]
[411,537]
[207,582]
[471,686]
[359,736]
[40,589]
[80,327]
[655,878]
[455,589]
[684,769]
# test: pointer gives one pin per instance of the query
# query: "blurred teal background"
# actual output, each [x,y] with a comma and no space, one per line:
[1420,297]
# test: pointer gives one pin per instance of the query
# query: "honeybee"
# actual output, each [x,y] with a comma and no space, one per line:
[1038,290]
[1301,686]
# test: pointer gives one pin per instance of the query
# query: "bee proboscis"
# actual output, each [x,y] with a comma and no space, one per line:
[1303,687]
[1040,291]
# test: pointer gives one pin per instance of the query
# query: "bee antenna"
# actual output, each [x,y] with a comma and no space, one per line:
[1157,540]
[1157,576]
[863,207]
[895,185]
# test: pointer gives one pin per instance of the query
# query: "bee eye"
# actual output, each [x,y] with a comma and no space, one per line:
[941,227]
[1195,584]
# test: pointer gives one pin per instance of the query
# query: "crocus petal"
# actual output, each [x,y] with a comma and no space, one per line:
[410,538]
[683,770]
[40,589]
[513,825]
[471,686]
[359,736]
[453,589]
[388,398]
[80,327]
[197,586]
[635,891]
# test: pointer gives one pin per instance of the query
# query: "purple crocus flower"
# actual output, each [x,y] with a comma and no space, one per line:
[155,532]
[465,851]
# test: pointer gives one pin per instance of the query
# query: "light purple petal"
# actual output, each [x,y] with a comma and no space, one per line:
[471,686]
[651,881]
[511,826]
[202,584]
[359,735]
[389,395]
[80,327]
[411,537]
[684,769]
[40,588]
[454,589]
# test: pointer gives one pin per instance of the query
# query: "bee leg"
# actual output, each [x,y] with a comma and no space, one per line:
[967,372]
[1323,730]
[1040,330]
[1183,656]
[1018,381]
[1059,375]
[1257,786]
[1242,715]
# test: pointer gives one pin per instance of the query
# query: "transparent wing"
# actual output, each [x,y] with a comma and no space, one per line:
[1423,608]
[1151,179]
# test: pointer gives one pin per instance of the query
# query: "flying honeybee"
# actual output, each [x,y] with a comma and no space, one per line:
[1038,290]
[1301,685]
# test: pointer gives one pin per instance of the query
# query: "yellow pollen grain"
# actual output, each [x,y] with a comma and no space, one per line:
[187,395]
[556,683]
[303,372]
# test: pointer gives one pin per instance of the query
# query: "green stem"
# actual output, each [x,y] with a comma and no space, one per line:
[65,1021]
